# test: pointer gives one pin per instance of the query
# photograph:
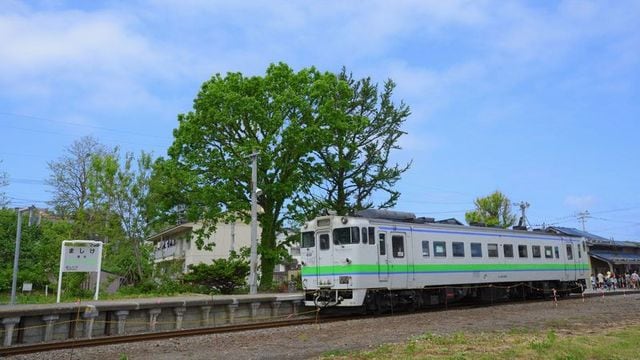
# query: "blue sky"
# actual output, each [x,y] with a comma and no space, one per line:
[540,100]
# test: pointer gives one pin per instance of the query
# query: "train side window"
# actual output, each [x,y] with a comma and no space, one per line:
[548,252]
[557,252]
[397,244]
[535,251]
[458,249]
[372,235]
[425,248]
[522,251]
[508,250]
[364,235]
[355,235]
[492,250]
[476,250]
[308,239]
[439,248]
[383,245]
[579,252]
[324,241]
[569,252]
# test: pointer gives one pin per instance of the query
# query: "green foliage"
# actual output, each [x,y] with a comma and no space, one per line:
[315,133]
[207,175]
[119,189]
[223,275]
[360,129]
[492,210]
[39,250]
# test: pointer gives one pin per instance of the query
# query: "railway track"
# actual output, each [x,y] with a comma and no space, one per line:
[118,339]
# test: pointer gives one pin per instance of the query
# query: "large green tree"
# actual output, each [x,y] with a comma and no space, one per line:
[361,128]
[492,210]
[207,175]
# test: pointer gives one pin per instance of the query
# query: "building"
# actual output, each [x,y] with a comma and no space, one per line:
[175,248]
[618,257]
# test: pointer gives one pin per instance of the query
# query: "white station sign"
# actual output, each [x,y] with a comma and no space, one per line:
[81,257]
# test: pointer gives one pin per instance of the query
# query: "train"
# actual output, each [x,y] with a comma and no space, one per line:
[376,260]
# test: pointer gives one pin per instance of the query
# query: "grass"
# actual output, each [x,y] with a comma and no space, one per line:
[554,344]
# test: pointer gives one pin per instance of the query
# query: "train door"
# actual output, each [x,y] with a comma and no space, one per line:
[570,265]
[324,255]
[383,260]
[398,260]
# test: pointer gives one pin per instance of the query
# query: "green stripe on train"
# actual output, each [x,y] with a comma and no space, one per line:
[373,268]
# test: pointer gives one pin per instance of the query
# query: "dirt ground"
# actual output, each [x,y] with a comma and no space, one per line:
[310,341]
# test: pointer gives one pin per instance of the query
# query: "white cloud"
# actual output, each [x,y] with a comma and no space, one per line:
[580,202]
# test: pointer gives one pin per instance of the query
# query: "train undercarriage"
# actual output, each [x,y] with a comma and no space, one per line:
[385,300]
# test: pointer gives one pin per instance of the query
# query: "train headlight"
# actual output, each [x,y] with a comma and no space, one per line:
[344,220]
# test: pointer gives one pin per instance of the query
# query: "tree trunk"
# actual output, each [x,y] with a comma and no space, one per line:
[268,254]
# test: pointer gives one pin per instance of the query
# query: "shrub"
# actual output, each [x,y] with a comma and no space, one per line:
[223,275]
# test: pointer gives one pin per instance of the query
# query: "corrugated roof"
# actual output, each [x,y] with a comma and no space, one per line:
[578,233]
[616,258]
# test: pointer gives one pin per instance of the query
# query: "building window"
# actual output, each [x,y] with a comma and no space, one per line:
[324,241]
[535,251]
[548,252]
[372,235]
[425,248]
[383,245]
[569,252]
[439,248]
[397,243]
[508,250]
[476,250]
[522,251]
[458,249]
[492,250]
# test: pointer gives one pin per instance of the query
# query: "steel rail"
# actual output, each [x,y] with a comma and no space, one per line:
[118,339]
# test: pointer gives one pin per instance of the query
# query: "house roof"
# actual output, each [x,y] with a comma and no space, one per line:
[171,231]
[577,233]
[616,258]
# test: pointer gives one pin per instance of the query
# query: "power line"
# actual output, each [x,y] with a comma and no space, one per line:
[82,125]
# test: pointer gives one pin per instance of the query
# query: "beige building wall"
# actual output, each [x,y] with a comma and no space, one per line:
[179,243]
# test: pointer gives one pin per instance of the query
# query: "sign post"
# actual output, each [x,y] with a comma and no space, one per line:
[80,256]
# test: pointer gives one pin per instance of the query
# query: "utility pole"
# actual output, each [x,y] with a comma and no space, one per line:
[16,254]
[253,281]
[583,217]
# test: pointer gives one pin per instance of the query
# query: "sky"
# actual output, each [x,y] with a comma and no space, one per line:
[537,99]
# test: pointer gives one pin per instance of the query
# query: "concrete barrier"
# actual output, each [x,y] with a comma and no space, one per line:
[27,324]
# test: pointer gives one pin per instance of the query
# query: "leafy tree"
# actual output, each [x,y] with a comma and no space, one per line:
[492,210]
[361,128]
[39,249]
[119,191]
[208,174]
[224,275]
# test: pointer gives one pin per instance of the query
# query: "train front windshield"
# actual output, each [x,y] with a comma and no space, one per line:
[308,239]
